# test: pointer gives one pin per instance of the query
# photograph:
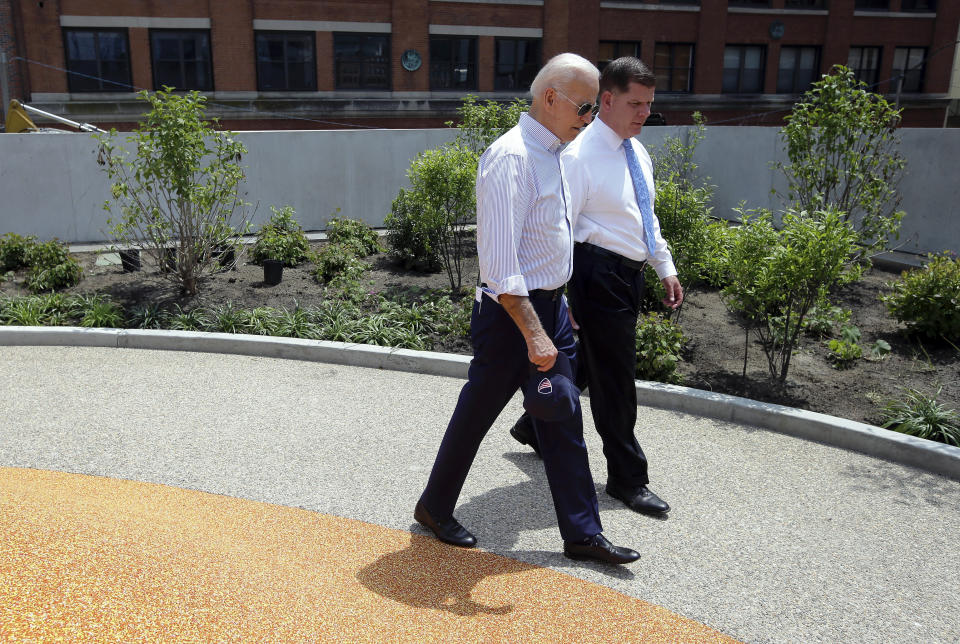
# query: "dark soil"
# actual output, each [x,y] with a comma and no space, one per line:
[714,357]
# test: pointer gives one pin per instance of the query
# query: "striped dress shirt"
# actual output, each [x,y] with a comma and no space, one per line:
[603,199]
[524,222]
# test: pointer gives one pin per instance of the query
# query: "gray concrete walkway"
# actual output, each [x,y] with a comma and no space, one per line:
[772,538]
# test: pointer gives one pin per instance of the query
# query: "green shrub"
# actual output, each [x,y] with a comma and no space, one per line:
[181,319]
[13,251]
[823,320]
[713,263]
[483,123]
[776,277]
[412,236]
[922,416]
[660,345]
[102,312]
[337,261]
[354,233]
[282,239]
[146,316]
[36,310]
[51,267]
[842,143]
[928,299]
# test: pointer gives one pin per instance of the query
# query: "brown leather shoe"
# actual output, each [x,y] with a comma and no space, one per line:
[599,549]
[446,530]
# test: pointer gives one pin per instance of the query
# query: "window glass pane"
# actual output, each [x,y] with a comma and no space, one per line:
[731,58]
[113,46]
[731,78]
[361,61]
[81,46]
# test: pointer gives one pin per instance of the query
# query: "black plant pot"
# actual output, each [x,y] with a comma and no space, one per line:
[130,260]
[272,271]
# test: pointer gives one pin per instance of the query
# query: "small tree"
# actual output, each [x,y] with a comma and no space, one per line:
[842,142]
[483,123]
[179,191]
[444,180]
[776,277]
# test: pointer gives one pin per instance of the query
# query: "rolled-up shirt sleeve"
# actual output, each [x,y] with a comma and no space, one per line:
[503,198]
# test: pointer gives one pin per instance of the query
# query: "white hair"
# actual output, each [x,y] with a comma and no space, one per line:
[561,70]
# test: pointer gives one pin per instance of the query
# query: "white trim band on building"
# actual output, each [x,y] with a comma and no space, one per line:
[534,3]
[649,7]
[469,30]
[135,21]
[323,25]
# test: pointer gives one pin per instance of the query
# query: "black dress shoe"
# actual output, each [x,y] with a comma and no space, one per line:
[447,530]
[600,549]
[639,500]
[523,432]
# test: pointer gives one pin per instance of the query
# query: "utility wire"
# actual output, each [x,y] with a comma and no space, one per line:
[208,102]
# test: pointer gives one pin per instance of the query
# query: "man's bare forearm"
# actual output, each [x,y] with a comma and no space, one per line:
[540,348]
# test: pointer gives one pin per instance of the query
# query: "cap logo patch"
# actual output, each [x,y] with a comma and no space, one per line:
[545,387]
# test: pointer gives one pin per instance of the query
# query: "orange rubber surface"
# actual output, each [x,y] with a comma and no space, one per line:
[92,559]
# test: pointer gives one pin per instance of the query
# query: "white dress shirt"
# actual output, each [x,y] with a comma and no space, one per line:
[604,203]
[524,222]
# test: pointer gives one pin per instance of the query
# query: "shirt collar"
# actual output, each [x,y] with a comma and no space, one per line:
[539,133]
[606,134]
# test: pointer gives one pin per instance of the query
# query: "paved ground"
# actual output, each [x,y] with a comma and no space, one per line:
[771,538]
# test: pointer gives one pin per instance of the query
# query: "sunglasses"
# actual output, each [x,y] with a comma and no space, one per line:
[582,110]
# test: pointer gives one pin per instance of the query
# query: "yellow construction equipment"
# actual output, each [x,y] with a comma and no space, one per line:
[17,119]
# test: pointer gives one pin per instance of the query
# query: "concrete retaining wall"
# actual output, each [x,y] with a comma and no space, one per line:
[51,185]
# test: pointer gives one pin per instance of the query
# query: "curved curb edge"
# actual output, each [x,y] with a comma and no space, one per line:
[937,458]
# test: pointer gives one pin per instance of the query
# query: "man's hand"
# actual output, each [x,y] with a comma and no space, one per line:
[674,296]
[541,351]
[540,348]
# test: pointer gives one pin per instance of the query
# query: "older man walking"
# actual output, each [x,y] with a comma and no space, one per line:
[525,247]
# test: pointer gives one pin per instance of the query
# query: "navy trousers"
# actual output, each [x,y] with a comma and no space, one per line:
[606,297]
[499,366]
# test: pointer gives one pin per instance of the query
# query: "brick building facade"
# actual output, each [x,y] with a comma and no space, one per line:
[307,64]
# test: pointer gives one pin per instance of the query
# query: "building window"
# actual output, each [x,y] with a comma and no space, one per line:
[181,59]
[873,5]
[749,3]
[924,6]
[101,56]
[865,63]
[806,4]
[743,67]
[518,60]
[673,67]
[909,63]
[799,67]
[453,62]
[613,49]
[285,61]
[361,61]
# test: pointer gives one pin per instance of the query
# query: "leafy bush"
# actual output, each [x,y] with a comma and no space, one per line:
[778,276]
[823,319]
[713,265]
[181,188]
[660,345]
[928,299]
[413,238]
[13,251]
[355,233]
[281,239]
[842,140]
[337,261]
[146,316]
[443,181]
[922,416]
[51,267]
[102,312]
[483,123]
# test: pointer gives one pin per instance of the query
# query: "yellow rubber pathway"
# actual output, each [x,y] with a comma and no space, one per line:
[93,559]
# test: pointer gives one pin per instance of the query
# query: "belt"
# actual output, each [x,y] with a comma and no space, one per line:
[611,256]
[541,293]
[545,294]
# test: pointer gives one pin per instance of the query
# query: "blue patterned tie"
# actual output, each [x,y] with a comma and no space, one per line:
[640,190]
